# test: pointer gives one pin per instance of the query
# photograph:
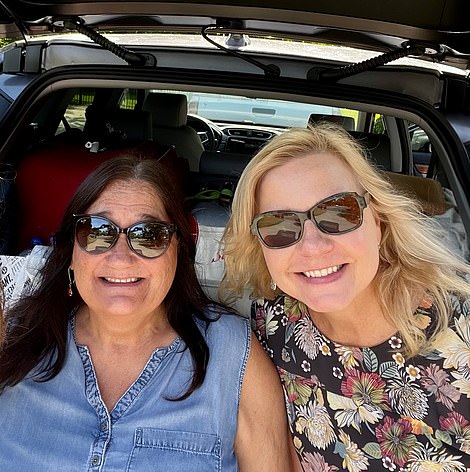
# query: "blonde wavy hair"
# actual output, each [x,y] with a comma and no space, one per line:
[413,261]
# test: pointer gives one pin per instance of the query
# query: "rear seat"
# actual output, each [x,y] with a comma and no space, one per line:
[347,122]
[216,168]
[170,125]
[48,176]
[225,164]
[112,128]
[377,147]
[439,203]
[435,201]
[428,192]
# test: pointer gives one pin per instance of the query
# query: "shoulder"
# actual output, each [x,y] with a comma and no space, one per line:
[223,318]
[460,308]
[228,337]
[281,304]
[224,327]
[457,335]
[448,363]
[429,317]
[268,315]
[267,303]
[443,376]
[263,308]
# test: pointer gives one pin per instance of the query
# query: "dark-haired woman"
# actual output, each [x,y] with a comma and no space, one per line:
[118,361]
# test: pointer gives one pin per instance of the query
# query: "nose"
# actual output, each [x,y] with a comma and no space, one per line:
[315,240]
[121,249]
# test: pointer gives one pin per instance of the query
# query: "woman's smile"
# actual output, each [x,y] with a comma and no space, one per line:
[129,280]
[317,273]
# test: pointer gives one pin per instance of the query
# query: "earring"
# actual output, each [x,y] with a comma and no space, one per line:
[71,282]
[273,285]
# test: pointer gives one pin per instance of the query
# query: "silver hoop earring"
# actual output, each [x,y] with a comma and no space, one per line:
[273,285]
[71,282]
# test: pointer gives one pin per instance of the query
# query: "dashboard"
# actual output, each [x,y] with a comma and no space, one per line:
[237,138]
[244,139]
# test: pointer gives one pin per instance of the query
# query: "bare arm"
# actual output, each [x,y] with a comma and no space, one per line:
[263,442]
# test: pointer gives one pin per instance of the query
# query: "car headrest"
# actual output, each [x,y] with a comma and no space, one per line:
[347,122]
[167,109]
[227,164]
[377,147]
[118,126]
[428,192]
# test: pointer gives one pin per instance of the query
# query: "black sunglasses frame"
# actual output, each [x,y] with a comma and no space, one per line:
[362,201]
[169,228]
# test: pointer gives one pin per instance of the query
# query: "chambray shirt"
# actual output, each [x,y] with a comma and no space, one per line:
[63,424]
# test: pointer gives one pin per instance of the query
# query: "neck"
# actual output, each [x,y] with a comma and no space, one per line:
[116,332]
[360,325]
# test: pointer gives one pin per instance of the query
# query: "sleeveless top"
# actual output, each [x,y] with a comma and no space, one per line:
[63,424]
[361,409]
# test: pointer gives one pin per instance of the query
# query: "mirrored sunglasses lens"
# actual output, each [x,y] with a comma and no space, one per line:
[149,239]
[95,235]
[279,229]
[338,215]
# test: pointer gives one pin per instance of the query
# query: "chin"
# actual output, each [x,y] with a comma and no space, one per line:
[329,304]
[118,308]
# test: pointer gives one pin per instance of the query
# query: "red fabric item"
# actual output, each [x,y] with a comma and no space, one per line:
[49,176]
[46,180]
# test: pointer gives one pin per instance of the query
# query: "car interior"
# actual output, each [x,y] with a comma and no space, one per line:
[72,130]
[206,111]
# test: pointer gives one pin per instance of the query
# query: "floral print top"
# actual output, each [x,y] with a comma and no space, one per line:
[360,409]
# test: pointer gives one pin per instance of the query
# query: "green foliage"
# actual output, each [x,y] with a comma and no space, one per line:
[379,125]
[5,41]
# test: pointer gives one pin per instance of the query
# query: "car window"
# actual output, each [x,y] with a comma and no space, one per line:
[128,99]
[378,124]
[222,108]
[74,115]
[421,148]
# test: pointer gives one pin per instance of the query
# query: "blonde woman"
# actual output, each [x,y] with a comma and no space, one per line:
[363,311]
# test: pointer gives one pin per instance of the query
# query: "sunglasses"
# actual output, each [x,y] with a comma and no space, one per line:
[337,214]
[97,234]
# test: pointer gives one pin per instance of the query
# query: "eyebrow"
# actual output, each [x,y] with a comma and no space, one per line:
[147,216]
[141,217]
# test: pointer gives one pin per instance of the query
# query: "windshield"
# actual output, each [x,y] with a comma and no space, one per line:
[259,111]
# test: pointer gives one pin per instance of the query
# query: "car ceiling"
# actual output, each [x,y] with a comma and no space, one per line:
[445,15]
[441,25]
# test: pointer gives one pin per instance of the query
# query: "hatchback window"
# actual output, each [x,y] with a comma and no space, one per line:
[421,147]
[128,99]
[74,116]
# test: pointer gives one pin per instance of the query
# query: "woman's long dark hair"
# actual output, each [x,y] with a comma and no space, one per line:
[36,332]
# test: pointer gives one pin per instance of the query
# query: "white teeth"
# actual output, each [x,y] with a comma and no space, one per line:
[322,272]
[121,281]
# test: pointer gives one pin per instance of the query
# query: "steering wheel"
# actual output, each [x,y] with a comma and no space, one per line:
[205,130]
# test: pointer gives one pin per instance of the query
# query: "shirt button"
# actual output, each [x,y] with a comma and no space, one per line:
[95,460]
[104,426]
